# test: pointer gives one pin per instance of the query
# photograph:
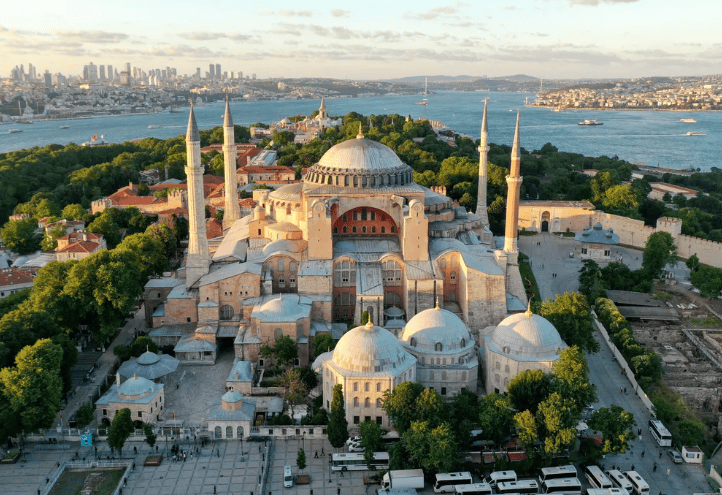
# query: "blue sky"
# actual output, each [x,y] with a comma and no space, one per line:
[369,39]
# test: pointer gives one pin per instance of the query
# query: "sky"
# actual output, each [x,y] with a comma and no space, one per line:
[369,39]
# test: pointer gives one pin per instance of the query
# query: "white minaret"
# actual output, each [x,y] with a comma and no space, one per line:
[513,181]
[483,156]
[322,112]
[232,212]
[199,258]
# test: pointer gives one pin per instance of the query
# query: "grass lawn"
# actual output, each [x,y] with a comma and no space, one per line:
[71,482]
[527,277]
[706,322]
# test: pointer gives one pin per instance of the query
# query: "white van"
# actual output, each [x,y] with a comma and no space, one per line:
[499,476]
[619,480]
[287,477]
[639,486]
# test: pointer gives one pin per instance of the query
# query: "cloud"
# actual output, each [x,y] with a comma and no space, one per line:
[447,10]
[465,25]
[98,37]
[292,13]
[540,34]
[340,13]
[597,2]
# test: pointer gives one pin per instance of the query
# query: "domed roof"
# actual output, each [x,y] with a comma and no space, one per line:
[136,386]
[232,396]
[290,192]
[148,358]
[281,245]
[528,336]
[437,326]
[361,155]
[371,349]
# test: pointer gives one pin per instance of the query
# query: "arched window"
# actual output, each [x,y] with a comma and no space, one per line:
[497,365]
[217,432]
[345,274]
[443,375]
[345,230]
[463,376]
[229,432]
[239,432]
[355,386]
[413,342]
[463,343]
[392,299]
[452,276]
[281,264]
[335,230]
[378,387]
[454,260]
[355,401]
[277,333]
[226,312]
[497,378]
[383,229]
[438,347]
[506,368]
[431,375]
[392,273]
[353,229]
[367,387]
[292,266]
[367,402]
[378,402]
[373,230]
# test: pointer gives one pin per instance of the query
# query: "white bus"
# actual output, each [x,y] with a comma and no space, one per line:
[565,486]
[446,482]
[287,477]
[639,486]
[498,476]
[348,461]
[521,486]
[482,488]
[557,473]
[596,477]
[619,480]
[660,433]
[607,491]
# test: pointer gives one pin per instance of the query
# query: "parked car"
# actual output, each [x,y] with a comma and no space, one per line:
[355,439]
[676,456]
[355,447]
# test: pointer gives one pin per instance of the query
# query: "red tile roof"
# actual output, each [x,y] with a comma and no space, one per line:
[73,236]
[140,201]
[253,169]
[176,211]
[214,228]
[247,203]
[80,247]
[15,276]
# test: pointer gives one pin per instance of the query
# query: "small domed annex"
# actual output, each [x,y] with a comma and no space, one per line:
[527,335]
[437,330]
[136,387]
[371,349]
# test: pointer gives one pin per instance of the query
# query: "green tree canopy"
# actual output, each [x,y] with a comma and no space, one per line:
[371,442]
[617,426]
[555,419]
[433,449]
[572,378]
[120,430]
[495,417]
[528,389]
[572,317]
[400,404]
[73,212]
[337,429]
[708,280]
[284,352]
[20,236]
[658,252]
[323,343]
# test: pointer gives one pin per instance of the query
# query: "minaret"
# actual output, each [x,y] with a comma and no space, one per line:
[198,255]
[483,155]
[322,112]
[231,211]
[513,181]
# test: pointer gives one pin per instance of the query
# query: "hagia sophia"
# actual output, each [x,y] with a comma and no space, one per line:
[357,241]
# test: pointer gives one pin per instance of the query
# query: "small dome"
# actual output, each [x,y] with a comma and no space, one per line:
[232,397]
[370,349]
[528,335]
[290,192]
[597,226]
[136,386]
[436,330]
[276,305]
[148,358]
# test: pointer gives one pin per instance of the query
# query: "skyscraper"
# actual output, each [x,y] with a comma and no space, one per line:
[101,72]
[110,73]
[211,71]
[218,71]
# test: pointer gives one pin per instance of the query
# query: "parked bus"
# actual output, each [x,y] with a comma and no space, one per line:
[445,482]
[557,473]
[607,491]
[660,433]
[639,486]
[498,476]
[521,486]
[348,461]
[287,477]
[596,477]
[565,486]
[473,489]
[619,480]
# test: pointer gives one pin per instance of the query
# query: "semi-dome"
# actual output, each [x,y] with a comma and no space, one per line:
[289,192]
[148,358]
[136,387]
[360,163]
[437,330]
[371,349]
[528,336]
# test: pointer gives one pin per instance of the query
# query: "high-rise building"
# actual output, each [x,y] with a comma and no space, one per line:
[127,68]
[240,74]
[110,73]
[253,76]
[101,72]
[211,71]
[47,79]
[218,71]
[90,72]
[198,72]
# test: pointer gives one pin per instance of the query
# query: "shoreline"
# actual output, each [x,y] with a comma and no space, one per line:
[626,109]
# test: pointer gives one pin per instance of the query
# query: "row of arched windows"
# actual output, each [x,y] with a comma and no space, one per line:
[229,432]
[397,179]
[367,402]
[367,387]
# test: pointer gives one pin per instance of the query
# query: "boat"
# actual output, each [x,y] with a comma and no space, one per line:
[64,126]
[155,126]
[13,131]
[94,141]
[687,120]
[590,122]
[696,133]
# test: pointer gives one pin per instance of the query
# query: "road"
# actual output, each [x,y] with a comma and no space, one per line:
[549,255]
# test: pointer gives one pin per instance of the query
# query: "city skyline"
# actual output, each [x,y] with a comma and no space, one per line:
[542,38]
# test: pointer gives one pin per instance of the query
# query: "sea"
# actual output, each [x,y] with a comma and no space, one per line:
[653,138]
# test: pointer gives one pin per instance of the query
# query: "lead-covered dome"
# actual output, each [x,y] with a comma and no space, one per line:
[527,335]
[136,388]
[148,358]
[437,330]
[360,163]
[369,349]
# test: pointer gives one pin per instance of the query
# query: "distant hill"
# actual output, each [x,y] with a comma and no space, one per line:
[432,79]
[517,78]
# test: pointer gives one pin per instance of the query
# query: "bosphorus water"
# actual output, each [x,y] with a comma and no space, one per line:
[651,137]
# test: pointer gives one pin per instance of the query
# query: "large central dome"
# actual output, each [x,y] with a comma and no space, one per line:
[360,163]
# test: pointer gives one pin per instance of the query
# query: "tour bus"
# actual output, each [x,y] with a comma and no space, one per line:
[351,461]
[620,480]
[557,473]
[445,482]
[498,476]
[565,486]
[287,477]
[482,488]
[607,491]
[521,486]
[596,477]
[660,433]
[639,486]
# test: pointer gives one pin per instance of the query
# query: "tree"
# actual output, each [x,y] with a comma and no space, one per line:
[463,414]
[693,262]
[400,404]
[323,343]
[663,409]
[301,459]
[105,225]
[572,378]
[85,415]
[284,352]
[708,280]
[430,407]
[555,419]
[528,389]
[371,441]
[34,386]
[495,418]
[165,236]
[141,345]
[690,432]
[120,430]
[658,253]
[617,426]
[70,357]
[150,437]
[73,212]
[20,237]
[590,281]
[337,429]
[148,253]
[50,237]
[122,351]
[526,429]
[572,317]
[433,449]
[295,391]
[308,377]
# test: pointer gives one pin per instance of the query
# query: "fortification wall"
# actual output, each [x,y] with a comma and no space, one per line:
[708,252]
[630,231]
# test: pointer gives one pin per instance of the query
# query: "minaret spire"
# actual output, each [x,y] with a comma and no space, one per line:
[513,181]
[232,211]
[483,156]
[198,260]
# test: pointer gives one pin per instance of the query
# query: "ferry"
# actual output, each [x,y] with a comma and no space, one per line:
[155,126]
[687,120]
[696,133]
[590,122]
[13,131]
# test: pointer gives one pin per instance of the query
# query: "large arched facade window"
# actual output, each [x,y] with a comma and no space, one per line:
[366,221]
[392,299]
[450,271]
[227,312]
[344,290]
[284,271]
[229,432]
